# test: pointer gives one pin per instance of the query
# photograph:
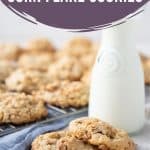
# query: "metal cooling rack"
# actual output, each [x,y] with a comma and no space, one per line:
[54,113]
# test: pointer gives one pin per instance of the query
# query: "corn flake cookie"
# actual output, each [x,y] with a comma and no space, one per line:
[84,50]
[38,46]
[66,68]
[85,134]
[59,141]
[3,88]
[69,94]
[20,108]
[47,141]
[23,80]
[146,68]
[100,134]
[6,68]
[10,52]
[78,47]
[35,62]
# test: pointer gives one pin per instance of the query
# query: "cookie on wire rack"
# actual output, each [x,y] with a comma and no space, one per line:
[18,108]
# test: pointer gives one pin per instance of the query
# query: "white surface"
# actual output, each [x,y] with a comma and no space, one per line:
[15,29]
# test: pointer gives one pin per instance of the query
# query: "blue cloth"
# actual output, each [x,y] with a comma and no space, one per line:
[22,140]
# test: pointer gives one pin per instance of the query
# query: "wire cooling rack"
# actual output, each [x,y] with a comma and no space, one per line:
[54,113]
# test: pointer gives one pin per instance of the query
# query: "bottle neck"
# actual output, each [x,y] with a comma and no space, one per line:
[119,37]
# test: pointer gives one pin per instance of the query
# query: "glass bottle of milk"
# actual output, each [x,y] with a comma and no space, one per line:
[117,85]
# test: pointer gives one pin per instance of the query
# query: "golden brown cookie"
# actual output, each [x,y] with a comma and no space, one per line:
[146,67]
[6,68]
[69,94]
[3,88]
[143,57]
[85,134]
[20,108]
[23,80]
[10,51]
[35,62]
[88,61]
[71,143]
[100,134]
[86,77]
[59,141]
[47,141]
[78,47]
[41,45]
[66,68]
[82,49]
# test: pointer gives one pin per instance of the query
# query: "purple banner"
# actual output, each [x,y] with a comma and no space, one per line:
[81,15]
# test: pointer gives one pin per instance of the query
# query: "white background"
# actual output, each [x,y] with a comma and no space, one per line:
[15,29]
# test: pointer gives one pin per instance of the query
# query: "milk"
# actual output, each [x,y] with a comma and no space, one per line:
[117,86]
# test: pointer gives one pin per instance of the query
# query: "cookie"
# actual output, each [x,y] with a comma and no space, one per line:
[78,47]
[6,68]
[87,61]
[3,88]
[82,49]
[143,57]
[47,141]
[146,68]
[23,80]
[35,62]
[59,141]
[69,94]
[66,68]
[71,143]
[53,85]
[100,134]
[41,45]
[20,108]
[85,134]
[10,51]
[86,78]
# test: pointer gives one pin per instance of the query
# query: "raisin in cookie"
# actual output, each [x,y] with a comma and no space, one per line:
[66,68]
[6,68]
[100,134]
[69,94]
[20,108]
[23,80]
[59,141]
[35,62]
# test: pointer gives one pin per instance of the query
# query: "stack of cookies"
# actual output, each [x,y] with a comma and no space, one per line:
[39,74]
[85,134]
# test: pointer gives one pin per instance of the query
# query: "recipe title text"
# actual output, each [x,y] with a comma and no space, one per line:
[75,1]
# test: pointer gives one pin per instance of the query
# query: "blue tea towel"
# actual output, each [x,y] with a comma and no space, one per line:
[22,140]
